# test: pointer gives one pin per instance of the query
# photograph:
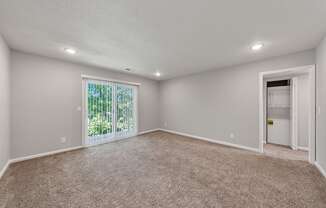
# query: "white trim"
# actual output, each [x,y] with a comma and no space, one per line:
[303,148]
[19,159]
[148,131]
[85,111]
[84,76]
[312,115]
[294,114]
[212,140]
[289,71]
[321,170]
[4,169]
[309,69]
[262,117]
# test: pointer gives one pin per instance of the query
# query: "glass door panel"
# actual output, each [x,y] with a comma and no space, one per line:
[100,112]
[125,110]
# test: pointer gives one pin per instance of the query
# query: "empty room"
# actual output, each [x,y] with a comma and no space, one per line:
[163,104]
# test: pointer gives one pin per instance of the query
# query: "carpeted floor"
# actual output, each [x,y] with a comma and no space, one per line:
[285,152]
[162,170]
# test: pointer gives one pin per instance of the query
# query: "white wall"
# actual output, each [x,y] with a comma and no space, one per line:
[216,103]
[321,102]
[4,103]
[303,111]
[45,96]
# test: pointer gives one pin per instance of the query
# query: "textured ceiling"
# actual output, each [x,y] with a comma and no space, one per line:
[176,37]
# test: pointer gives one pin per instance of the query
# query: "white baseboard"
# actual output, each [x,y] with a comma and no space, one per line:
[148,131]
[321,170]
[213,140]
[2,172]
[44,154]
[303,148]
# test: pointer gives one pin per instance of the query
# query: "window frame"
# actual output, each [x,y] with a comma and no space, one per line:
[114,135]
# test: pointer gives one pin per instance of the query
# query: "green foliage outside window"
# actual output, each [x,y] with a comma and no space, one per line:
[100,109]
[125,110]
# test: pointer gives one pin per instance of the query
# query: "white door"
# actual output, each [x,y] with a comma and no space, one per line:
[279,114]
[279,132]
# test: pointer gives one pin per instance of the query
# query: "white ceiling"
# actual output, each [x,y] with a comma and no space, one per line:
[175,37]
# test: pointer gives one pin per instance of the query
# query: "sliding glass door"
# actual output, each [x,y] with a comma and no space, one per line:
[110,111]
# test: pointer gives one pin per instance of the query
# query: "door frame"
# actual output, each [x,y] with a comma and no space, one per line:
[294,113]
[84,79]
[310,70]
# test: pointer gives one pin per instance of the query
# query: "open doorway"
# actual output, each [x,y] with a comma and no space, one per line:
[287,113]
[286,117]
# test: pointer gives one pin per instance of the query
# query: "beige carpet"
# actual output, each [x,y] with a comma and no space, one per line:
[162,170]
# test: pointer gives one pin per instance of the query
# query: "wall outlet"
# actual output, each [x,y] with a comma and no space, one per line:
[165,124]
[79,108]
[318,110]
[232,136]
[63,139]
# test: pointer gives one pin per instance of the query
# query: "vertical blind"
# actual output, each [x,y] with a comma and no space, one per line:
[125,108]
[100,108]
[111,110]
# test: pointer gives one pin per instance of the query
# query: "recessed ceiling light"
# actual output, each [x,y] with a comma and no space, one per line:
[70,51]
[157,74]
[257,46]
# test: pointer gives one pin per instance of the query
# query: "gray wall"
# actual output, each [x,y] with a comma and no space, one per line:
[216,103]
[45,96]
[4,103]
[46,93]
[321,102]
